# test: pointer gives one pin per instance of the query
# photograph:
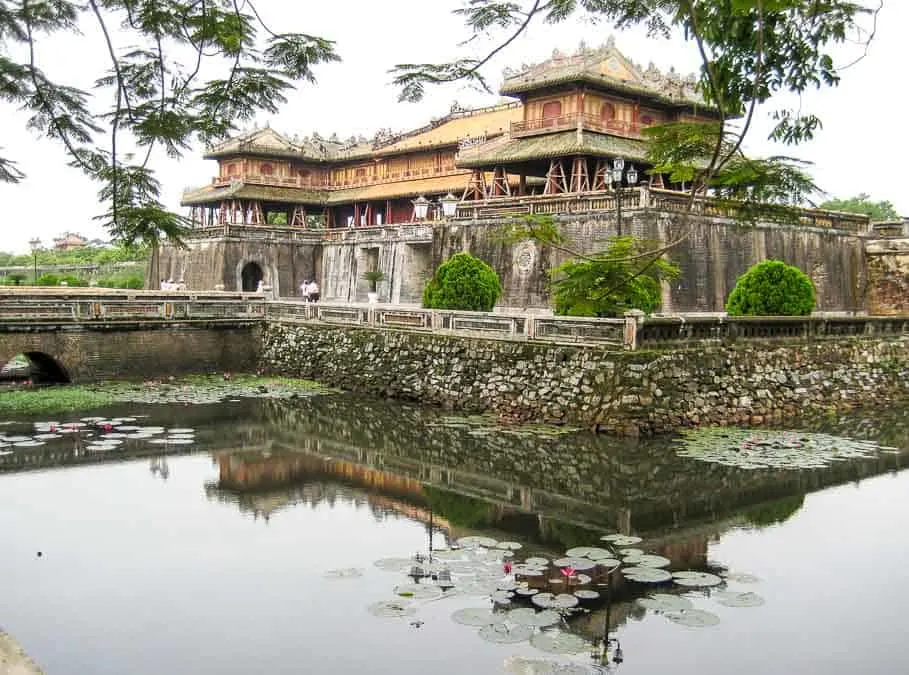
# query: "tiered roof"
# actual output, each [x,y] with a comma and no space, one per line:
[442,132]
[607,68]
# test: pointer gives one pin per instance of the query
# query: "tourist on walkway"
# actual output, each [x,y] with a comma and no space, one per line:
[313,289]
[304,290]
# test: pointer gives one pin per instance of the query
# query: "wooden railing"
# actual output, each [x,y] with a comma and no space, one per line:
[574,121]
[641,198]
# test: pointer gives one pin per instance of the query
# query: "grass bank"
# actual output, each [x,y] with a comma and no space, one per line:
[193,389]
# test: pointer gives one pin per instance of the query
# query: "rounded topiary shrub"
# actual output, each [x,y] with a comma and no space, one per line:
[772,288]
[463,282]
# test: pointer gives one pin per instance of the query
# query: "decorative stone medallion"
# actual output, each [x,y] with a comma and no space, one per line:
[525,257]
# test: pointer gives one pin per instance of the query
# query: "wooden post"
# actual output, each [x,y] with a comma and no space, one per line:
[555,178]
[500,187]
[476,186]
[522,184]
[580,181]
[356,216]
[388,212]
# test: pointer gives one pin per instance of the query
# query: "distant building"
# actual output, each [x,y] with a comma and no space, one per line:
[69,241]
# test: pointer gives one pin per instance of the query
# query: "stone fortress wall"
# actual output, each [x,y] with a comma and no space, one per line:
[628,392]
[850,271]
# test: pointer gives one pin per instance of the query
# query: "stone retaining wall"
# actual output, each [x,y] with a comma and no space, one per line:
[618,392]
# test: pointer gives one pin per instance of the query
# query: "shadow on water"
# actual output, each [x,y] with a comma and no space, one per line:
[550,491]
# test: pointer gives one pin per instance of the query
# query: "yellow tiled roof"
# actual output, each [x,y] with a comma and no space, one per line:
[484,121]
[454,183]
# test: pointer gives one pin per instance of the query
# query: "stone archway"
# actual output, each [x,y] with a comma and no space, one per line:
[42,369]
[250,276]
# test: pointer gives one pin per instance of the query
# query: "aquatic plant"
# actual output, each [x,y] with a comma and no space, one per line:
[770,449]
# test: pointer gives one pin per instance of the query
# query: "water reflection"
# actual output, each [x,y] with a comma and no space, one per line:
[321,465]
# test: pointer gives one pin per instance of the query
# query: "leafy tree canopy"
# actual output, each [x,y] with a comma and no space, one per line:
[179,72]
[612,282]
[749,49]
[772,288]
[878,211]
[463,282]
[85,255]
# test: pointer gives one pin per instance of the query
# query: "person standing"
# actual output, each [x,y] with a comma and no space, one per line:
[313,291]
[304,290]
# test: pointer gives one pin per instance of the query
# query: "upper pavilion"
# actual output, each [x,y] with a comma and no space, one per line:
[567,119]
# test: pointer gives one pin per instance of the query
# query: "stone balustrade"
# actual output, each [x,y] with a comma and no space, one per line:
[26,306]
[634,331]
[647,198]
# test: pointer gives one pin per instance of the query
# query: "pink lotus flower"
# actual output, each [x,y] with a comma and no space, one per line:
[569,571]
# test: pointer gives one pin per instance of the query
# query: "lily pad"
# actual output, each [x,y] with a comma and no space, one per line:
[537,562]
[651,560]
[521,665]
[28,444]
[394,564]
[646,575]
[509,545]
[392,608]
[627,540]
[524,571]
[750,449]
[476,542]
[695,618]
[630,551]
[528,616]
[696,579]
[664,602]
[735,599]
[501,597]
[344,573]
[740,577]
[526,592]
[418,591]
[586,594]
[558,642]
[501,633]
[475,616]
[580,564]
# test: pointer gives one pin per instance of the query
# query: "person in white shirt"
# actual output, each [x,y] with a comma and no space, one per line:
[304,290]
[313,291]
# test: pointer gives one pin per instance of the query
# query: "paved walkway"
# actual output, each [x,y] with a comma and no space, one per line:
[13,660]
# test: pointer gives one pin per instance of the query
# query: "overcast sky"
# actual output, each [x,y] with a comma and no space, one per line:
[861,149]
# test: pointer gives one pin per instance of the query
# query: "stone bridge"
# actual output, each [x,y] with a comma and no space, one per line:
[84,334]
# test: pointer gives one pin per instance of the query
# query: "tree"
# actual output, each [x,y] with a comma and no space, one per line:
[157,94]
[613,283]
[463,282]
[749,50]
[772,288]
[878,211]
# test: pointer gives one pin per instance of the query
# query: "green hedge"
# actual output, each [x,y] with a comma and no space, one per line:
[772,288]
[463,282]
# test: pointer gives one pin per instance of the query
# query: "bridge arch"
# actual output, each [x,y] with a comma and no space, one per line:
[43,368]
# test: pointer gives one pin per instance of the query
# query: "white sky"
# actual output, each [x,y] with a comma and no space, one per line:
[861,149]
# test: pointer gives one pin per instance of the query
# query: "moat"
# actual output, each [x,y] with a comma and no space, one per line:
[242,537]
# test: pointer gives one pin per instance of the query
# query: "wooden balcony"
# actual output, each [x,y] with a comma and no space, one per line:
[575,121]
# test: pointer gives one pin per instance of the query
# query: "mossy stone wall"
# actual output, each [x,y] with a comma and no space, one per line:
[612,391]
